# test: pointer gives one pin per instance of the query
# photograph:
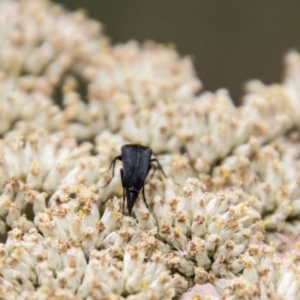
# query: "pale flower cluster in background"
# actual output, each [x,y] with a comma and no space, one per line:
[69,100]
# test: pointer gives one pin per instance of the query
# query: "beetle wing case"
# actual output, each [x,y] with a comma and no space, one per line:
[136,165]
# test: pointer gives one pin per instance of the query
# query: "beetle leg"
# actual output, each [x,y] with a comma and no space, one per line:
[123,201]
[121,173]
[159,165]
[143,192]
[112,165]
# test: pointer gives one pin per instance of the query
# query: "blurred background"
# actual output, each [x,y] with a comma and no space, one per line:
[230,41]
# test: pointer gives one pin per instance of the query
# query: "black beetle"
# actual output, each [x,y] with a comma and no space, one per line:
[137,163]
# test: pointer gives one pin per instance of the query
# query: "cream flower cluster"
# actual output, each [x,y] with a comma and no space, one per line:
[66,55]
[24,109]
[69,101]
[40,160]
[45,169]
[202,227]
[148,92]
[184,232]
[42,170]
[210,126]
[40,38]
[269,173]
[128,79]
[32,168]
[61,271]
[264,276]
[53,185]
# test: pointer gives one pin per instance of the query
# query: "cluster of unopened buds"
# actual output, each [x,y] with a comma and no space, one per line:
[69,101]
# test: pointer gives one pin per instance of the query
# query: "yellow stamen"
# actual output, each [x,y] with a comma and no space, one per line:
[266,222]
[224,173]
[242,207]
[17,253]
[75,188]
[177,230]
[66,88]
[169,101]
[67,158]
[221,130]
[272,244]
[123,102]
[175,158]
[84,12]
[34,164]
[114,214]
[144,285]
[220,222]
[142,106]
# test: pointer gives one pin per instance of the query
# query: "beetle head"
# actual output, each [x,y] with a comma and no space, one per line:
[131,198]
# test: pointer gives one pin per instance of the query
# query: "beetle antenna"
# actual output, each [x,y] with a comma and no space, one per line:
[112,165]
[159,165]
[154,168]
